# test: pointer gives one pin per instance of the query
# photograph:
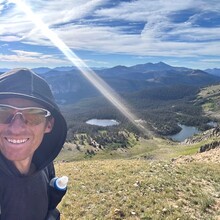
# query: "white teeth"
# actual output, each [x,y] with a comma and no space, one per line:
[17,141]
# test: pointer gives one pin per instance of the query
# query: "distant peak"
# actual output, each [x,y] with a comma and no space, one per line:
[152,66]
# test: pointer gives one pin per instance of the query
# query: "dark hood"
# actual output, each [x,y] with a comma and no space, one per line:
[24,83]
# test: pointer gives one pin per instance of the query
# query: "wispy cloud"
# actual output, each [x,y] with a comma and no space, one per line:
[143,28]
[20,57]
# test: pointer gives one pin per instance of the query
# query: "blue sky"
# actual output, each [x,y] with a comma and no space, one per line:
[106,33]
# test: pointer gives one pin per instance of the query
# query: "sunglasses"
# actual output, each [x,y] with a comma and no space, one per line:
[30,115]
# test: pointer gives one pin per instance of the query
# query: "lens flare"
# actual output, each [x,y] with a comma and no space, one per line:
[87,72]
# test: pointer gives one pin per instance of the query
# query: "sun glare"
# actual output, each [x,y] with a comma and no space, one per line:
[87,72]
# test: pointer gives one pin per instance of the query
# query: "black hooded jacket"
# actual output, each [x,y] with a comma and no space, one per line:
[29,197]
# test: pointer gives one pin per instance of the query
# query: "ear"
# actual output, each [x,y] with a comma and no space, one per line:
[49,125]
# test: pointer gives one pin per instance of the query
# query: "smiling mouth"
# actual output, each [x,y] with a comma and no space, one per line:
[17,141]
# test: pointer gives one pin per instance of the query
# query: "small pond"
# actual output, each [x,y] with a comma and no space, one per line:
[186,132]
[102,122]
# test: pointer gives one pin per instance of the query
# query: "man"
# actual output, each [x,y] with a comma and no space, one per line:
[32,133]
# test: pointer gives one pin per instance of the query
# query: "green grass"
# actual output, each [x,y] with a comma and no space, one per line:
[155,148]
[212,96]
[209,106]
[140,189]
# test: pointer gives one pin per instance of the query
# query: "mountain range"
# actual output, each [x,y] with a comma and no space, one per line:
[70,86]
[138,67]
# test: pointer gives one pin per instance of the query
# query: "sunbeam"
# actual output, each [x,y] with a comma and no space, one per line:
[87,72]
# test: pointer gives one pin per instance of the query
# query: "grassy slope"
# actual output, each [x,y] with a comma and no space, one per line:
[145,186]
[140,189]
[155,148]
[212,96]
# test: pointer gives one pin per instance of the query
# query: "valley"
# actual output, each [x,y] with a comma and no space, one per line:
[161,96]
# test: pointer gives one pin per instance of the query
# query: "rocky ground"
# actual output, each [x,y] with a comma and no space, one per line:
[212,155]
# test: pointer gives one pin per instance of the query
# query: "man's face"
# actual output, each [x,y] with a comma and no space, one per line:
[19,140]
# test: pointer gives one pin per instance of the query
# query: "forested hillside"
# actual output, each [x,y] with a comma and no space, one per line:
[162,108]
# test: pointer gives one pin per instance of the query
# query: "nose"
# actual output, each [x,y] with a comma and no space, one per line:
[17,120]
[17,124]
[17,113]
